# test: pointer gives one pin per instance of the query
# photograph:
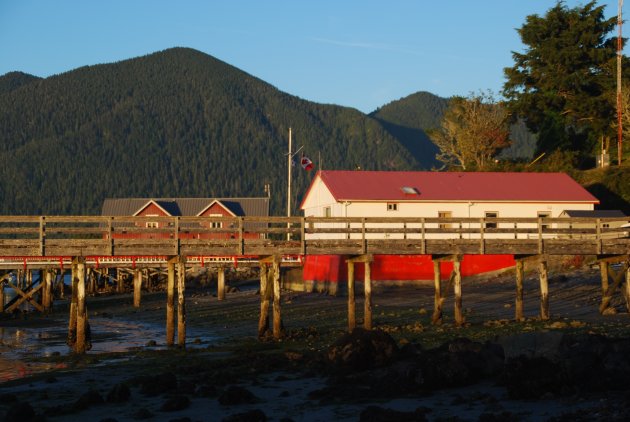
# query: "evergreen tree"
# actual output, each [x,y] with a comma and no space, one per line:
[564,81]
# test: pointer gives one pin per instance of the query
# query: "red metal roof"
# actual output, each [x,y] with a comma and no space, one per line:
[453,186]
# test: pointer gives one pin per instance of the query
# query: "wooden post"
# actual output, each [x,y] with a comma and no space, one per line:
[367,309]
[263,321]
[170,303]
[2,298]
[518,308]
[352,322]
[544,291]
[80,346]
[181,303]
[62,285]
[221,284]
[617,279]
[72,320]
[137,287]
[120,280]
[457,290]
[277,312]
[603,271]
[48,274]
[627,287]
[436,319]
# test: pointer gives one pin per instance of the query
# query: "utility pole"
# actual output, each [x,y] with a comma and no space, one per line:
[619,105]
[289,162]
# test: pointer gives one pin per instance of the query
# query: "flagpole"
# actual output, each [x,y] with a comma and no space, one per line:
[289,159]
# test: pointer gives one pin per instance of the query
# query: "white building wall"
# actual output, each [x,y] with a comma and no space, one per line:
[320,198]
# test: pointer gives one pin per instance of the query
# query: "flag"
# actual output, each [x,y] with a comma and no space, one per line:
[306,163]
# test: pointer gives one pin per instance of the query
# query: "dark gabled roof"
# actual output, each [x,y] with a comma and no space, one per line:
[251,207]
[594,213]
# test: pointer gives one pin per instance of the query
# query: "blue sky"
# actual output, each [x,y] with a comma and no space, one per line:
[361,54]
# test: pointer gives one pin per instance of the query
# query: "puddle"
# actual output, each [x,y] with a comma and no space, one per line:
[19,346]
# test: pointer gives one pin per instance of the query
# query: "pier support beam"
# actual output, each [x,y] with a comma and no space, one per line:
[263,320]
[47,295]
[352,321]
[221,283]
[436,319]
[82,340]
[518,308]
[181,302]
[170,302]
[457,290]
[72,318]
[137,287]
[544,290]
[277,310]
[617,277]
[367,304]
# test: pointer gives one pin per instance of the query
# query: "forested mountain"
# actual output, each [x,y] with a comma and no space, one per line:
[410,117]
[14,80]
[175,123]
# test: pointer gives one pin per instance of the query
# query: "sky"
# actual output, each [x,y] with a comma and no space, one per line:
[356,53]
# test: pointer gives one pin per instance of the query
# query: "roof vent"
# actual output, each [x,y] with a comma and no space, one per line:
[408,190]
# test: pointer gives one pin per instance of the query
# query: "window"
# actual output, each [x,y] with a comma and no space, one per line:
[152,225]
[392,206]
[544,214]
[491,214]
[445,214]
[327,211]
[216,224]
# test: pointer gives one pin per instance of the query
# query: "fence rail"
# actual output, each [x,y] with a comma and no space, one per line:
[240,236]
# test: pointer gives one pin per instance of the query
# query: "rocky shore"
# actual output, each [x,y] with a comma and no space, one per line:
[573,367]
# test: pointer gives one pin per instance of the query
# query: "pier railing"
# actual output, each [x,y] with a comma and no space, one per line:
[22,236]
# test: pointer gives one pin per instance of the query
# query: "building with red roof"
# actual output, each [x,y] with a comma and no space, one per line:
[337,193]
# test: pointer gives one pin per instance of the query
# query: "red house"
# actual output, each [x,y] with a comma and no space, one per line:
[186,207]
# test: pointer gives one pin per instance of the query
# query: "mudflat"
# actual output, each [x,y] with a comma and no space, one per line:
[571,367]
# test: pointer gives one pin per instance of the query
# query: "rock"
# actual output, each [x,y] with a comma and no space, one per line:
[363,349]
[380,414]
[87,399]
[235,395]
[610,311]
[255,415]
[153,385]
[142,413]
[175,403]
[20,412]
[119,393]
[533,378]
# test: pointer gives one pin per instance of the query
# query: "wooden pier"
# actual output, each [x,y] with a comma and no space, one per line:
[175,244]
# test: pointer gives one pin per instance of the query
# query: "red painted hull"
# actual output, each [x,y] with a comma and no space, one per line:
[333,268]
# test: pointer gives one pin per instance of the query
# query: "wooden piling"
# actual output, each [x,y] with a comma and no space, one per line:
[352,322]
[137,287]
[170,303]
[604,273]
[457,291]
[627,287]
[221,284]
[436,319]
[120,278]
[80,346]
[617,279]
[263,321]
[367,308]
[62,285]
[47,295]
[2,297]
[544,290]
[277,311]
[72,319]
[518,308]
[181,303]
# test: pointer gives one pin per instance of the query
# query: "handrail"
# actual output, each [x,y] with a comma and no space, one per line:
[127,235]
